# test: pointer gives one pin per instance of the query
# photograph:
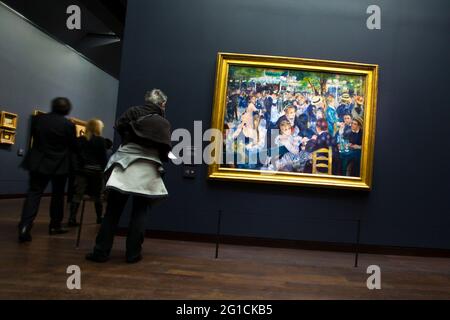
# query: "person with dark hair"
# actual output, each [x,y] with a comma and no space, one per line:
[136,172]
[346,106]
[356,135]
[61,106]
[109,148]
[345,128]
[324,140]
[259,101]
[351,158]
[91,163]
[311,112]
[232,106]
[48,160]
[302,124]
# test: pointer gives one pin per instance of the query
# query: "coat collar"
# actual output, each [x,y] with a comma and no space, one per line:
[153,108]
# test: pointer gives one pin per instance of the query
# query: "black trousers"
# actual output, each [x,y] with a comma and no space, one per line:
[115,206]
[37,185]
[91,183]
[88,182]
[70,188]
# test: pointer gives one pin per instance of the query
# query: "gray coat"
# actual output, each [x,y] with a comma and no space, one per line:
[136,170]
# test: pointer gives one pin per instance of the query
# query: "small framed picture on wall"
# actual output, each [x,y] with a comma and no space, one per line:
[7,137]
[8,120]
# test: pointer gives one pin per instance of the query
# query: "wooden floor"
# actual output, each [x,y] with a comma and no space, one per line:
[185,270]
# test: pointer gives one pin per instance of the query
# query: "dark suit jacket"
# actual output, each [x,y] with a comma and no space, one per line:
[324,140]
[53,142]
[91,154]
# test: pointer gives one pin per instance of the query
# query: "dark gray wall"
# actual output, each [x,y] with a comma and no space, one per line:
[173,45]
[34,69]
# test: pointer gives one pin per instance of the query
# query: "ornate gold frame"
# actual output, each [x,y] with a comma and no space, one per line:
[370,71]
[5,133]
[4,115]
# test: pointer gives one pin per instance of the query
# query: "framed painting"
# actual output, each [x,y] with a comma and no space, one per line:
[8,120]
[294,121]
[80,126]
[7,137]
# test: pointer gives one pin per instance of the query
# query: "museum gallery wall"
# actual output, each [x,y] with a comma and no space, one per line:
[408,204]
[28,84]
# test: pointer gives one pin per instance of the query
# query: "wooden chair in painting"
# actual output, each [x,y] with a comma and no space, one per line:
[322,161]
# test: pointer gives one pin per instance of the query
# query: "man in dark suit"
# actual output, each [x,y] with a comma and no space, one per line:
[48,160]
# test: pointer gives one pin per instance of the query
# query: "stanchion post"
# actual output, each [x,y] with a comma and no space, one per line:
[81,224]
[219,222]
[358,236]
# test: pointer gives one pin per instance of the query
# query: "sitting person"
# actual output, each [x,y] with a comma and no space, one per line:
[356,135]
[323,140]
[289,115]
[292,158]
[351,161]
[302,124]
[89,179]
[345,128]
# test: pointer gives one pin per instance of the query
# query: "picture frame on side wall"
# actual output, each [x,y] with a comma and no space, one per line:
[294,121]
[80,126]
[8,120]
[7,137]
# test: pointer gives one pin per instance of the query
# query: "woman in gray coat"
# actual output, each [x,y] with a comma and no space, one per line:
[136,170]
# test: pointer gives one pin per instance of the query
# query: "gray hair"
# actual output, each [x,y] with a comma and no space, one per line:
[156,96]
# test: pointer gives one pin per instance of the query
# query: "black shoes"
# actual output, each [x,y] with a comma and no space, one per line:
[24,235]
[102,259]
[135,259]
[57,231]
[96,258]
